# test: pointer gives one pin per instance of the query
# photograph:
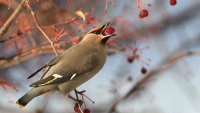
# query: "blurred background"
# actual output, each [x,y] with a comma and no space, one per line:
[152,64]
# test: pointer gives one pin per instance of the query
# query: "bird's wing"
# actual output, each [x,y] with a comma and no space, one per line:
[86,64]
[49,64]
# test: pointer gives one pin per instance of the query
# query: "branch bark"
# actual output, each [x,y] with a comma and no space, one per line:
[41,30]
[10,20]
[17,59]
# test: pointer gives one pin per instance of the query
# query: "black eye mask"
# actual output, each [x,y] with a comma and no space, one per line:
[98,31]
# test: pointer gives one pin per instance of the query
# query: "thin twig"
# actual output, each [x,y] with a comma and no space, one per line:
[41,30]
[10,20]
[5,40]
[163,66]
[75,90]
[27,55]
[79,106]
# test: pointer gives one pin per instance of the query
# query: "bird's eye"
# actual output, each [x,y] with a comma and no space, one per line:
[97,32]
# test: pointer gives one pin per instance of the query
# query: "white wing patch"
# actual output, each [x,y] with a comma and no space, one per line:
[73,76]
[57,76]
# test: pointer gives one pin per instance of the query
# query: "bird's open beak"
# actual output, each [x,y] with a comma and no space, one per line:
[101,29]
[107,36]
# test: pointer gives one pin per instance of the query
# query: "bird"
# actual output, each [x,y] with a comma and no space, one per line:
[73,67]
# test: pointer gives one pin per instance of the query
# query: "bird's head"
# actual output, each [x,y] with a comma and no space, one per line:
[96,35]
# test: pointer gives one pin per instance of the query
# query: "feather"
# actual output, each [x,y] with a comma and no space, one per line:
[33,74]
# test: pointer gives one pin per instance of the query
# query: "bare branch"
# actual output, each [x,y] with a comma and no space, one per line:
[22,57]
[41,30]
[10,20]
[163,66]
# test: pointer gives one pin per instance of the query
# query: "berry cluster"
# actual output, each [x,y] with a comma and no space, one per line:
[77,109]
[140,59]
[144,12]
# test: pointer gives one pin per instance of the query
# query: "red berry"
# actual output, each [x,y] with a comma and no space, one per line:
[76,108]
[130,59]
[143,13]
[143,70]
[110,30]
[172,2]
[86,111]
[149,5]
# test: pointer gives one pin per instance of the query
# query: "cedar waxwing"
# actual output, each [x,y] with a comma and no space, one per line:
[75,66]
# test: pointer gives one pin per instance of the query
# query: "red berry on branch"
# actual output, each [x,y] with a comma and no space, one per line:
[172,2]
[110,30]
[130,59]
[76,108]
[143,13]
[149,5]
[86,111]
[143,70]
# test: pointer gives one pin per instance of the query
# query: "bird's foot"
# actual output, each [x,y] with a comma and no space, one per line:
[80,102]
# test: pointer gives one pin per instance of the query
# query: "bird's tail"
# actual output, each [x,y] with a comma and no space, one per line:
[34,92]
[24,100]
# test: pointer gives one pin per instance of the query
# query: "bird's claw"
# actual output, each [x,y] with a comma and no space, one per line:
[80,102]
